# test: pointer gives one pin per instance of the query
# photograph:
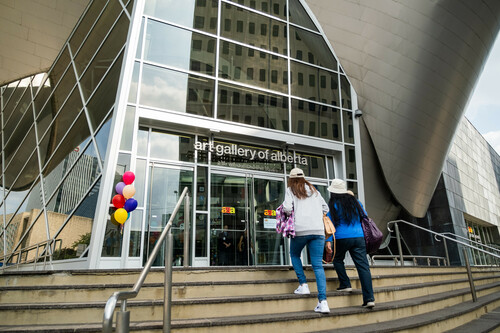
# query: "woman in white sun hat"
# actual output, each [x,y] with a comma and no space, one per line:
[346,216]
[308,206]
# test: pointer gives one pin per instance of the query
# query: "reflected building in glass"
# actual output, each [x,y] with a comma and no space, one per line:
[222,97]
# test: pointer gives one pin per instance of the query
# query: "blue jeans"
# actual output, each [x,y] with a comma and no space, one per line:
[315,245]
[357,249]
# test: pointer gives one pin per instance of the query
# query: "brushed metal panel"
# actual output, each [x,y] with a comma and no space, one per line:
[414,65]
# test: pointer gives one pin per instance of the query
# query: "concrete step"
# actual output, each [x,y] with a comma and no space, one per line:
[189,309]
[185,290]
[156,275]
[488,322]
[385,317]
[220,295]
[459,318]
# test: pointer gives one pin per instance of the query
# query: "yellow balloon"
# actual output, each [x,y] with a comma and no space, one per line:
[121,215]
[128,191]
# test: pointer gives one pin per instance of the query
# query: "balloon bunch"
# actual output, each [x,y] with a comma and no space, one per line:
[123,201]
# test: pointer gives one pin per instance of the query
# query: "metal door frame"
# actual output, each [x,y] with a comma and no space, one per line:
[147,208]
[249,197]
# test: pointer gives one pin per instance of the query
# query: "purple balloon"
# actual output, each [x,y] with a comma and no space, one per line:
[130,204]
[119,187]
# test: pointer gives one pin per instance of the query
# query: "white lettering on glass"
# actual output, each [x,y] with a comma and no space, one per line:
[252,154]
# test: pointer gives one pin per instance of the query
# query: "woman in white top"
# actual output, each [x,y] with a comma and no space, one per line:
[308,206]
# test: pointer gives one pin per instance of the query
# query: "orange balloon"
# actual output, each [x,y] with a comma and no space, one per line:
[128,191]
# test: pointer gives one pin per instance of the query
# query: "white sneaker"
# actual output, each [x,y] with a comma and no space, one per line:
[303,289]
[322,307]
[368,305]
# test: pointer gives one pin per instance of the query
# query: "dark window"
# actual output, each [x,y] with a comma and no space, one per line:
[225,48]
[276,30]
[236,97]
[262,75]
[263,29]
[211,46]
[192,95]
[213,23]
[312,128]
[300,79]
[300,127]
[199,22]
[299,55]
[251,28]
[239,26]
[273,101]
[197,44]
[195,65]
[227,25]
[322,81]
[274,76]
[312,80]
[310,57]
[223,96]
[261,99]
[248,99]
[249,73]
[276,9]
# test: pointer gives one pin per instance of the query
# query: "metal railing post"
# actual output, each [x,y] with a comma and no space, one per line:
[167,291]
[186,230]
[107,320]
[400,249]
[123,318]
[447,263]
[469,274]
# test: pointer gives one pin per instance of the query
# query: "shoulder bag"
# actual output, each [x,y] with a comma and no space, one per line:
[373,235]
[329,231]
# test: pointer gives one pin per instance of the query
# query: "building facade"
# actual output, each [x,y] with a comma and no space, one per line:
[222,97]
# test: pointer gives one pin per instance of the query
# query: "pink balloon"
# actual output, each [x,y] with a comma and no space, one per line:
[128,177]
[128,191]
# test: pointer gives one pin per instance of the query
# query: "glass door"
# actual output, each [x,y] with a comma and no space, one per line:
[243,220]
[228,219]
[268,246]
[166,184]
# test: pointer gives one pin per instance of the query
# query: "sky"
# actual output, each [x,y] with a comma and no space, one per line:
[483,110]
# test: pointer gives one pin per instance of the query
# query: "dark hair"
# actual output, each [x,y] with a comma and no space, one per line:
[348,208]
[298,188]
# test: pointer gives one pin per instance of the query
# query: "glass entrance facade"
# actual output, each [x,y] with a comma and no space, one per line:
[234,198]
[224,97]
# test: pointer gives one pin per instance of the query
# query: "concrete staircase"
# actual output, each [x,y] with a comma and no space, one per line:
[425,299]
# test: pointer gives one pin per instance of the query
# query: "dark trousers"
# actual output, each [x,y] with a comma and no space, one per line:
[357,250]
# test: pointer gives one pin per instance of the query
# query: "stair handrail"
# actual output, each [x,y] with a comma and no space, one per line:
[410,256]
[123,317]
[471,241]
[395,222]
